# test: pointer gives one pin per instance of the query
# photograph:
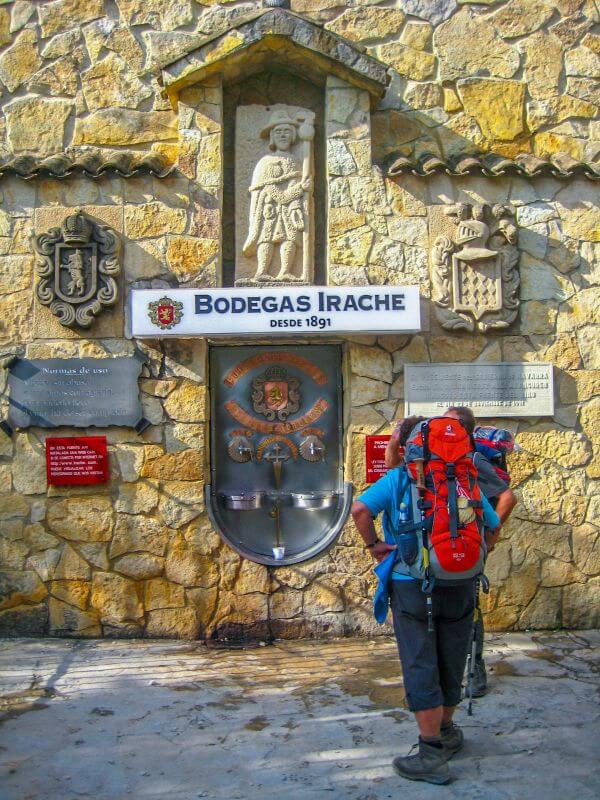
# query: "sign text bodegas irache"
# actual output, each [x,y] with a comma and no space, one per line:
[302,310]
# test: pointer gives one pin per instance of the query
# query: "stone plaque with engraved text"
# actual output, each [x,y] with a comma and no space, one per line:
[491,390]
[74,392]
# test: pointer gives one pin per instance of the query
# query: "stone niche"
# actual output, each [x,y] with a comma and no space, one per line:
[260,214]
[272,113]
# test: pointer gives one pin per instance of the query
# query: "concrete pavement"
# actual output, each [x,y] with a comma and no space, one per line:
[314,720]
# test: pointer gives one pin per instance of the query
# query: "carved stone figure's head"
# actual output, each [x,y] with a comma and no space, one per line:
[281,130]
[282,137]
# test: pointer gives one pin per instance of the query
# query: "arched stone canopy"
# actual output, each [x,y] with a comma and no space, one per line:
[277,36]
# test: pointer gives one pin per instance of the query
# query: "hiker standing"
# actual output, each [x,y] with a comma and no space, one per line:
[433,663]
[503,500]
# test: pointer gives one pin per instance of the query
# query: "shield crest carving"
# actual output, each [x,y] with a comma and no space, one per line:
[75,272]
[475,276]
[275,395]
[477,284]
[77,266]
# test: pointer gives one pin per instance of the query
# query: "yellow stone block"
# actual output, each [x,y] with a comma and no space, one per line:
[353,248]
[185,466]
[110,83]
[67,620]
[82,519]
[161,593]
[116,126]
[543,64]
[520,17]
[153,219]
[209,161]
[66,14]
[187,403]
[20,586]
[59,78]
[343,219]
[416,35]
[580,385]
[583,308]
[590,420]
[37,124]
[165,15]
[135,533]
[567,448]
[497,106]
[548,144]
[15,317]
[20,61]
[5,36]
[407,61]
[173,623]
[360,23]
[75,593]
[188,258]
[117,599]
[186,566]
[451,100]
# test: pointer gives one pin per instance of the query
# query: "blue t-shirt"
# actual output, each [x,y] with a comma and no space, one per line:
[395,488]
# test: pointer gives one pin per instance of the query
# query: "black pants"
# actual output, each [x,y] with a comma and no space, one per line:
[433,664]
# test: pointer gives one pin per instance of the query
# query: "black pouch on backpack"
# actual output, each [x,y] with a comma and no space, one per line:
[408,547]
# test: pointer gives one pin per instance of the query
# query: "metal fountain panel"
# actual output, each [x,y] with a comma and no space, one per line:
[277,493]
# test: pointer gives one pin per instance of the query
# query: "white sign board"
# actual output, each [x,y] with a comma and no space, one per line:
[273,311]
[490,390]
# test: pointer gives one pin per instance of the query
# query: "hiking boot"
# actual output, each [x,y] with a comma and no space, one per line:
[429,765]
[453,739]
[479,679]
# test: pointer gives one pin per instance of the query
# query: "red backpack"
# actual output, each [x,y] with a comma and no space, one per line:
[439,457]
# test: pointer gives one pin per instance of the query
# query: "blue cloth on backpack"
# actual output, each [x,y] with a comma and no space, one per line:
[381,600]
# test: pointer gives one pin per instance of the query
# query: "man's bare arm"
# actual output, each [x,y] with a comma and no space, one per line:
[506,502]
[364,523]
[392,456]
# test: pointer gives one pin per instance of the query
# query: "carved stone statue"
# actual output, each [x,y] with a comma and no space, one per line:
[475,276]
[77,266]
[277,245]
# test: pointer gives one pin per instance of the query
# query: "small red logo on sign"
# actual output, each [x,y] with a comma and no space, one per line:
[165,313]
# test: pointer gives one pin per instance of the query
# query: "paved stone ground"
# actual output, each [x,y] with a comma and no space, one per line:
[156,719]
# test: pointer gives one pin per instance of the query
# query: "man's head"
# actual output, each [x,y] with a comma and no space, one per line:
[464,414]
[406,427]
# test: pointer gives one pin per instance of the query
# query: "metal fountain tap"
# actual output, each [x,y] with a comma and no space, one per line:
[317,450]
[277,457]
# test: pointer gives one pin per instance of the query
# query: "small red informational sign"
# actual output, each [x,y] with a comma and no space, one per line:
[76,460]
[375,452]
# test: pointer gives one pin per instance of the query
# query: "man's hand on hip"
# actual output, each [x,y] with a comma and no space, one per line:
[381,550]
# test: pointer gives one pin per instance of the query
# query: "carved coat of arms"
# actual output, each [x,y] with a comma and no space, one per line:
[475,276]
[275,395]
[165,313]
[77,265]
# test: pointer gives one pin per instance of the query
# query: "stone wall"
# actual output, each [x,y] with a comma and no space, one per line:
[138,556]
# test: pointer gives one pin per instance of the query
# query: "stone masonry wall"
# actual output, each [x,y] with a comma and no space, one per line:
[138,556]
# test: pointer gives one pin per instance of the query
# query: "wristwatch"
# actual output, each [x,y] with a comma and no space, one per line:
[369,546]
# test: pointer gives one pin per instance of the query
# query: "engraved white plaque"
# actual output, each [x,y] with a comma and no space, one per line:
[515,389]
